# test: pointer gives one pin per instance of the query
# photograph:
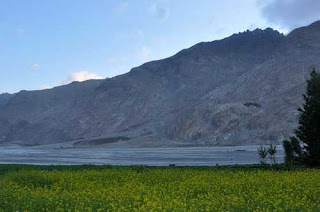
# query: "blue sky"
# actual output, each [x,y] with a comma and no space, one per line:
[53,42]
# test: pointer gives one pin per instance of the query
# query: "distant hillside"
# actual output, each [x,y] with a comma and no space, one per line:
[5,98]
[244,89]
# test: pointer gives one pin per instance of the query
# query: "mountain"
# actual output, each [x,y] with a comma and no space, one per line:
[5,98]
[244,89]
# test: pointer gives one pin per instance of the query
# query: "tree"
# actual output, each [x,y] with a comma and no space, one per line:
[272,150]
[263,153]
[308,130]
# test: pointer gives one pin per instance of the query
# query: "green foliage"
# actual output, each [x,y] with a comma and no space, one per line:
[289,153]
[103,188]
[263,153]
[293,152]
[272,151]
[296,147]
[309,120]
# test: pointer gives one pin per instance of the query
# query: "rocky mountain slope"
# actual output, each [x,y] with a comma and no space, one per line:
[5,98]
[244,89]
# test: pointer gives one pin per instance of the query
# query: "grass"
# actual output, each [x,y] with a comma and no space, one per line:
[140,188]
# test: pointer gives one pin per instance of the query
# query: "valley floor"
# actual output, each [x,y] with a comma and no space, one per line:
[183,156]
[139,188]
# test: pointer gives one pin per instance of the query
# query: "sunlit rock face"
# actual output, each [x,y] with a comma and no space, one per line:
[244,89]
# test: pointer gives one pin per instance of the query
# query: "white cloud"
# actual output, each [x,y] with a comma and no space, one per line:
[290,14]
[76,76]
[159,12]
[35,66]
[80,77]
[45,87]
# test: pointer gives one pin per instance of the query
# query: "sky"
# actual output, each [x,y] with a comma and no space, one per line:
[54,42]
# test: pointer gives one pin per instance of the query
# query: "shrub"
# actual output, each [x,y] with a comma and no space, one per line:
[263,153]
[272,150]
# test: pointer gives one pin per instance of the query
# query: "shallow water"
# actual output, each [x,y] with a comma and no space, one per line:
[191,156]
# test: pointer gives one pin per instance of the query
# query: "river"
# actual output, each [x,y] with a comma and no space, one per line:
[188,156]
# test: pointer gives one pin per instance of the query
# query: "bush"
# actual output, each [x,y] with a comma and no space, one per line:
[293,152]
[272,151]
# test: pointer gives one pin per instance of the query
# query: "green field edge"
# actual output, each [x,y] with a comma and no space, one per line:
[5,168]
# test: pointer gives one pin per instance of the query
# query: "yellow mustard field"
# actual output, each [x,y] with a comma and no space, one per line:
[160,189]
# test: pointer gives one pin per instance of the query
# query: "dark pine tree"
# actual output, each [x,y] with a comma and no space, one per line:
[308,130]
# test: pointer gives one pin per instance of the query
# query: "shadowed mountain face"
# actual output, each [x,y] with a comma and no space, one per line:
[5,98]
[244,89]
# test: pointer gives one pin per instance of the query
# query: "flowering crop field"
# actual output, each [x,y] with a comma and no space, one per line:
[158,189]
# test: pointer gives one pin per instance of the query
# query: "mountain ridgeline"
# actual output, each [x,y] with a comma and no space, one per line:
[244,89]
